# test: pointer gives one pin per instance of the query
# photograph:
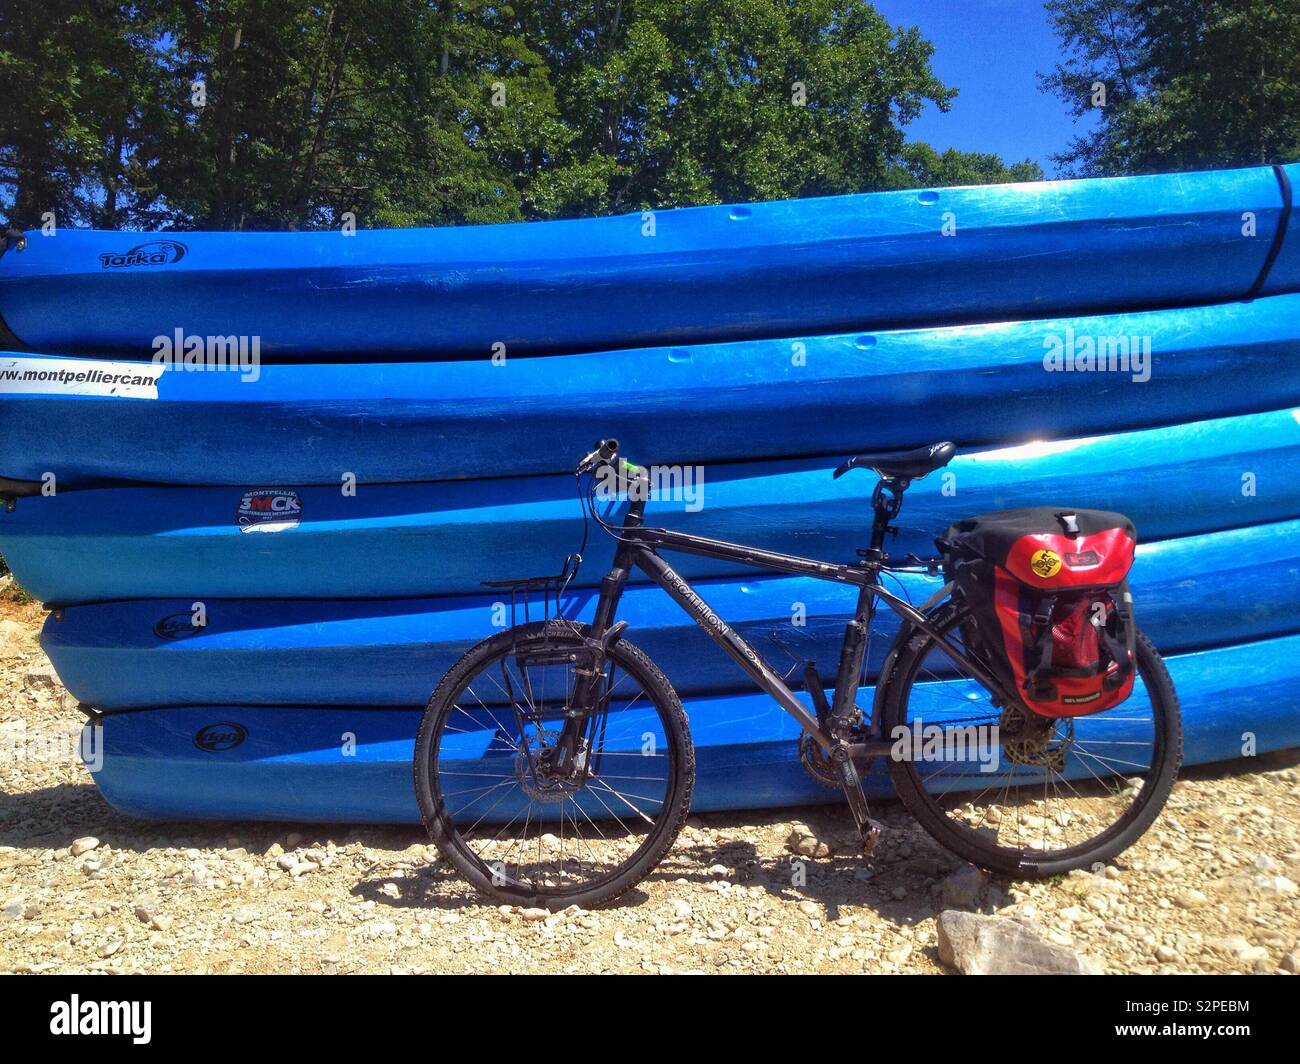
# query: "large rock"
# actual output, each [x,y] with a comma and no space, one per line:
[996,945]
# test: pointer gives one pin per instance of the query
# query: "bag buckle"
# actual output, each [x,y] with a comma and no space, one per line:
[1070,522]
[1042,614]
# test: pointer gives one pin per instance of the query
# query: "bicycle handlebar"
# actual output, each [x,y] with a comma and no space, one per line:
[605,452]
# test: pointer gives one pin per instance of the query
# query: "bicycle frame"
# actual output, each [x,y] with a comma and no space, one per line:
[639,546]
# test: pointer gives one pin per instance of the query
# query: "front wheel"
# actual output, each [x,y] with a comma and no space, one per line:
[1045,795]
[521,821]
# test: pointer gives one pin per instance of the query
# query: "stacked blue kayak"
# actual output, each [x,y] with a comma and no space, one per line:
[420,398]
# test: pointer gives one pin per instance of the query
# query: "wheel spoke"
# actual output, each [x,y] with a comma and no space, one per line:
[1053,793]
[554,826]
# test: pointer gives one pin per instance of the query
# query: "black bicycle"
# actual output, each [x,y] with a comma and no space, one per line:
[554,764]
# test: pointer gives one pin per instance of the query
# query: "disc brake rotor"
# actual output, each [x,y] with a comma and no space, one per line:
[533,768]
[1035,741]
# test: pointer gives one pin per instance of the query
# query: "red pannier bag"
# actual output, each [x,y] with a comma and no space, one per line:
[1050,606]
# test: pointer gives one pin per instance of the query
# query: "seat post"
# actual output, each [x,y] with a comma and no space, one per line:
[886,501]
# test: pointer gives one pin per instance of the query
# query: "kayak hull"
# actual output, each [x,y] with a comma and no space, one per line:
[391,541]
[418,398]
[319,424]
[986,253]
[353,765]
[1240,585]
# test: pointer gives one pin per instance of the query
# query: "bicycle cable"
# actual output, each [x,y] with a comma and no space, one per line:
[589,507]
[588,514]
[902,587]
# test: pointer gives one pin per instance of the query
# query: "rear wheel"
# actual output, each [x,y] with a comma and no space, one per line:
[1054,794]
[505,810]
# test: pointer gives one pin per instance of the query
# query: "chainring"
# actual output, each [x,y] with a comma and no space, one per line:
[815,762]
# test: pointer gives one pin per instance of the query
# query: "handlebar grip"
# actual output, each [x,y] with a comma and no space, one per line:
[603,454]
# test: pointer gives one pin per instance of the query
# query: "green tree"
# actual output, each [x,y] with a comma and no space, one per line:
[1188,83]
[403,112]
[272,113]
[920,166]
[79,84]
[676,104]
[243,114]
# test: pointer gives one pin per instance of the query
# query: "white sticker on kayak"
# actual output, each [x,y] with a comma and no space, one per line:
[269,510]
[75,376]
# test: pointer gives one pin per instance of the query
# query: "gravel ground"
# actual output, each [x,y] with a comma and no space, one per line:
[1212,888]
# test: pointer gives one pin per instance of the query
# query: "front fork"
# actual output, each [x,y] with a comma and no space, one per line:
[605,632]
[589,669]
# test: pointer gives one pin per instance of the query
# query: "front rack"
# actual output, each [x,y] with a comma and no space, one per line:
[551,588]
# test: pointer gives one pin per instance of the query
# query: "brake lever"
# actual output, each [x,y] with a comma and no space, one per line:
[588,463]
[931,565]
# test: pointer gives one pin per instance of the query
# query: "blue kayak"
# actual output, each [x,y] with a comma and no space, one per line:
[988,253]
[293,763]
[1223,587]
[407,540]
[313,424]
[1240,584]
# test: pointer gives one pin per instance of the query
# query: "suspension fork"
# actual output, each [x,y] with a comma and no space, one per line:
[589,670]
[584,712]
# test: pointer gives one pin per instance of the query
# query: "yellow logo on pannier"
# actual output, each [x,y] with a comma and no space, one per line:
[1045,563]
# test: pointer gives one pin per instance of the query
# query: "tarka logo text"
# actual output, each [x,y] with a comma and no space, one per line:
[154,253]
[176,626]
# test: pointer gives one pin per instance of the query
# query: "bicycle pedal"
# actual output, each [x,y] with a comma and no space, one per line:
[871,836]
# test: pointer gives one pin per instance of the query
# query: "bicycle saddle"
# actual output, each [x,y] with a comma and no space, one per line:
[909,465]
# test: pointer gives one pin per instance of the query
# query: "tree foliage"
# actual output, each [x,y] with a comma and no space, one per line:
[1188,83]
[248,114]
[919,166]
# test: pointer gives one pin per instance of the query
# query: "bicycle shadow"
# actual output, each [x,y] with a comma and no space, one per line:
[51,817]
[744,850]
[901,885]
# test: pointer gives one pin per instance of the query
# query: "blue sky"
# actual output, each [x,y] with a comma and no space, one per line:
[990,50]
